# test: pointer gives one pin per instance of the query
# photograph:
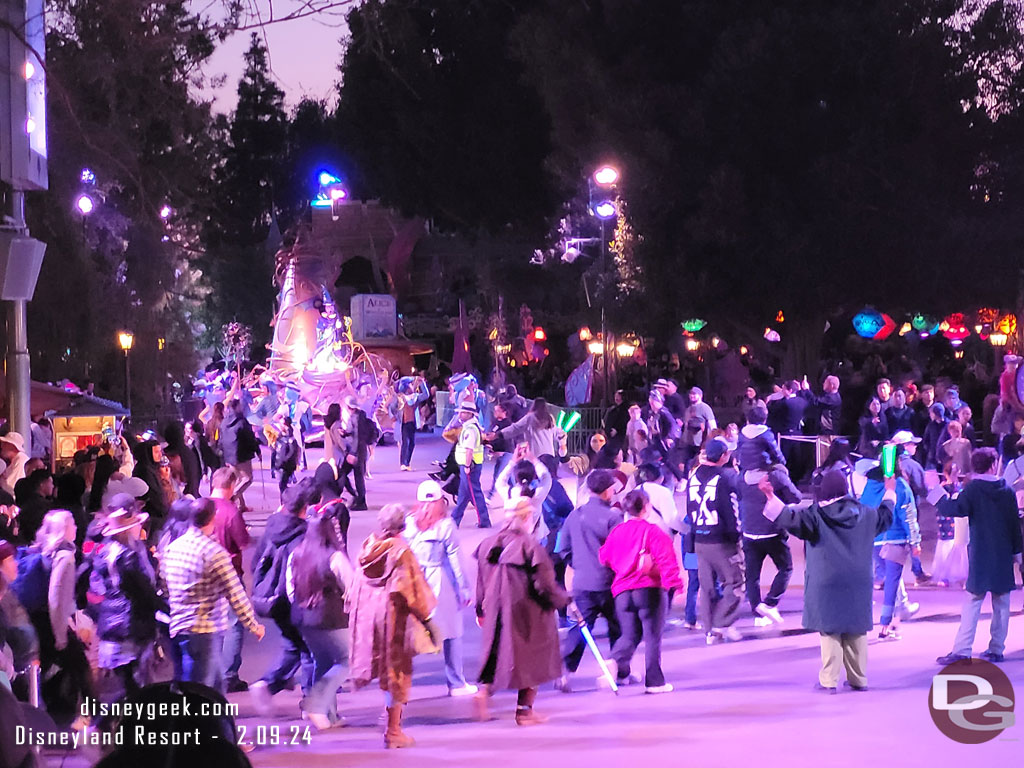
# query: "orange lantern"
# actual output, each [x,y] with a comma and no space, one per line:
[1007,324]
[987,315]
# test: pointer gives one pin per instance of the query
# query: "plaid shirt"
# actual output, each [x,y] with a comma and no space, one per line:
[199,576]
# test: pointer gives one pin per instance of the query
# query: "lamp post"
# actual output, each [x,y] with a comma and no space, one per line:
[605,177]
[126,339]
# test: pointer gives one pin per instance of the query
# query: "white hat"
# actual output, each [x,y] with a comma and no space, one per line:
[135,487]
[15,439]
[903,437]
[863,466]
[429,490]
[469,406]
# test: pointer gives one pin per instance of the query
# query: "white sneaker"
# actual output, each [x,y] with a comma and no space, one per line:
[666,688]
[763,621]
[770,612]
[262,698]
[732,634]
[910,610]
[466,690]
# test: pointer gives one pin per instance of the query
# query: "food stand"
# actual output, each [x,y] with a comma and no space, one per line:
[83,424]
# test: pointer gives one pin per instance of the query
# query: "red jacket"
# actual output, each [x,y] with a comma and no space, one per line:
[621,552]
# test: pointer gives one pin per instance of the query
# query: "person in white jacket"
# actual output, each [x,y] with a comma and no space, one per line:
[527,477]
[432,538]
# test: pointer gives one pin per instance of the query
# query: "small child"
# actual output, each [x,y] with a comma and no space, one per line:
[636,434]
[949,566]
[958,448]
[756,446]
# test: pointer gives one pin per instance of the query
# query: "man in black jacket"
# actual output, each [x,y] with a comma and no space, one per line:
[356,428]
[285,529]
[711,511]
[240,446]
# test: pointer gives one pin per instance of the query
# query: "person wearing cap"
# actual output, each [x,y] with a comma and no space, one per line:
[12,451]
[517,598]
[698,422]
[584,532]
[893,545]
[636,435]
[839,533]
[432,537]
[405,408]
[469,455]
[126,623]
[913,473]
[201,586]
[662,433]
[711,509]
[390,604]
[996,543]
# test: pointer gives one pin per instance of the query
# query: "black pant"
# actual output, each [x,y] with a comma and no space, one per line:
[642,615]
[356,474]
[591,605]
[408,443]
[293,654]
[754,553]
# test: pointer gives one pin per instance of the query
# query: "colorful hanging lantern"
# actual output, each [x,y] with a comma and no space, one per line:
[955,330]
[905,329]
[694,324]
[1007,324]
[868,322]
[780,318]
[770,334]
[888,326]
[921,323]
[987,315]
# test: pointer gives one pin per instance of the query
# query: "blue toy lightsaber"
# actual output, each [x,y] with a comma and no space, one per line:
[592,645]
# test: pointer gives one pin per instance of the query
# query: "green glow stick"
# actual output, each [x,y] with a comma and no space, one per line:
[572,421]
[558,421]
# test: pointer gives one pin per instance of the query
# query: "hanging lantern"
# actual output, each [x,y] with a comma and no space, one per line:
[868,322]
[770,334]
[905,329]
[955,330]
[780,318]
[921,323]
[694,324]
[1007,324]
[987,315]
[888,326]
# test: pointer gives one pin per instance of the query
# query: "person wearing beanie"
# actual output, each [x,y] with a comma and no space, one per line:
[711,491]
[517,598]
[839,533]
[582,536]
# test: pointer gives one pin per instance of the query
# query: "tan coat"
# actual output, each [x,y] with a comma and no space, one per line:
[388,603]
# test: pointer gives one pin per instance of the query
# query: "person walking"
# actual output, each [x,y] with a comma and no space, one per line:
[432,537]
[239,446]
[583,534]
[469,455]
[231,532]
[355,429]
[698,422]
[996,543]
[389,605]
[711,508]
[517,599]
[284,530]
[199,576]
[641,557]
[317,577]
[839,533]
[405,408]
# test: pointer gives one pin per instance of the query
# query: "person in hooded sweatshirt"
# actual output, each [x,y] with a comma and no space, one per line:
[839,533]
[757,448]
[990,507]
[389,604]
[283,533]
[148,456]
[711,510]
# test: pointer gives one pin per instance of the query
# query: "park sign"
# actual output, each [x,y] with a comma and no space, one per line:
[374,316]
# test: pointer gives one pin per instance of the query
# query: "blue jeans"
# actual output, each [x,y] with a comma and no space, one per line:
[329,649]
[964,643]
[408,443]
[198,658]
[293,655]
[893,575]
[692,590]
[232,660]
[878,564]
[453,667]
[470,491]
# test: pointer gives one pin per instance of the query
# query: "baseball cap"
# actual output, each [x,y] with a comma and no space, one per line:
[904,436]
[429,490]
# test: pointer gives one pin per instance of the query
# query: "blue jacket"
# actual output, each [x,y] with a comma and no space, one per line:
[904,528]
[757,448]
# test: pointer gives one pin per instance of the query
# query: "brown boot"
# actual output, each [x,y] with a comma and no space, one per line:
[481,702]
[526,716]
[394,737]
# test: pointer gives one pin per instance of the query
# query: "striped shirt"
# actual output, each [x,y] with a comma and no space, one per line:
[201,582]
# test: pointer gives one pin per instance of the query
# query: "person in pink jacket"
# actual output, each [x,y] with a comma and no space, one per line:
[645,567]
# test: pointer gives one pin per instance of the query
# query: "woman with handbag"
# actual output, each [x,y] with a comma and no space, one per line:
[517,598]
[389,606]
[316,578]
[645,567]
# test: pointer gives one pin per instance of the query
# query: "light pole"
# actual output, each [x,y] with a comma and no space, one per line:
[604,209]
[126,339]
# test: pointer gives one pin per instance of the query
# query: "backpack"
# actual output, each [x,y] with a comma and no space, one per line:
[33,583]
[369,432]
[268,580]
[286,453]
[248,444]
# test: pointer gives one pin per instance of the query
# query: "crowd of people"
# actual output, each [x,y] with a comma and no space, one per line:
[122,572]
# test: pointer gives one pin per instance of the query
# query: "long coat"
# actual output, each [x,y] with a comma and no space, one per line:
[991,510]
[516,598]
[838,581]
[387,605]
[437,551]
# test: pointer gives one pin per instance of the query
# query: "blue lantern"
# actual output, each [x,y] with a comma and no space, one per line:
[868,322]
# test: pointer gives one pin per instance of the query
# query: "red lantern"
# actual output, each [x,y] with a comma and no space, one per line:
[957,330]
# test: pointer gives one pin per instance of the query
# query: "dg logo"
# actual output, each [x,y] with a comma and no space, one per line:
[971,701]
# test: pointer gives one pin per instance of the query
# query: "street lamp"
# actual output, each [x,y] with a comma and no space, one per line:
[126,339]
[85,204]
[606,175]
